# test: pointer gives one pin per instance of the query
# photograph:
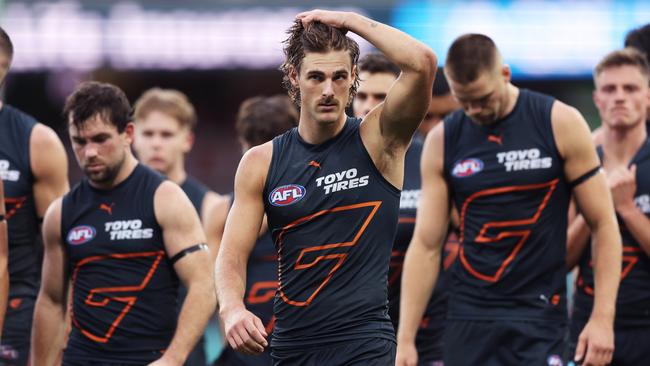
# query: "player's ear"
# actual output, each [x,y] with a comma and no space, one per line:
[189,142]
[129,132]
[506,72]
[293,76]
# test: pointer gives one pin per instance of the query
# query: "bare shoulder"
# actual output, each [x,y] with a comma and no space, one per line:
[569,127]
[46,150]
[255,163]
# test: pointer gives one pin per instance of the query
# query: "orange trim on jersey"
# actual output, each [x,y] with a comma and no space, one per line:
[406,220]
[339,257]
[523,234]
[267,287]
[269,327]
[129,300]
[396,264]
[629,261]
[18,202]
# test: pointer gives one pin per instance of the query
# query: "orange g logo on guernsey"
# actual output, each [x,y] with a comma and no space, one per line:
[287,195]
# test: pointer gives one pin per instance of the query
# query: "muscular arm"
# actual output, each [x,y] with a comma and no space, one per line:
[4,252]
[244,331]
[181,230]
[215,223]
[422,260]
[49,165]
[48,330]
[408,99]
[595,203]
[577,237]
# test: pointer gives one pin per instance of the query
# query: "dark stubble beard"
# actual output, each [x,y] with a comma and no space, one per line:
[106,177]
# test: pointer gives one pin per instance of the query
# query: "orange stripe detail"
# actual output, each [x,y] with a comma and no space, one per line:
[18,202]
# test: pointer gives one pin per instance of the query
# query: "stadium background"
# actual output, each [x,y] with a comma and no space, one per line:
[221,52]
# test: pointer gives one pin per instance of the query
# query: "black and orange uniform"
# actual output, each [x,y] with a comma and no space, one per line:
[195,191]
[507,300]
[632,322]
[261,286]
[333,218]
[124,288]
[25,249]
[428,340]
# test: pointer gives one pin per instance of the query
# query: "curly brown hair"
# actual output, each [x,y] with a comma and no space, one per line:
[317,37]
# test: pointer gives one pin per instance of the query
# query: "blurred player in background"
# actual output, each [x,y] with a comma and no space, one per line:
[164,123]
[622,97]
[259,120]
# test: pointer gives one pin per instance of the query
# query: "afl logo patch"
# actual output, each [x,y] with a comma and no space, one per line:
[555,360]
[81,234]
[467,167]
[287,195]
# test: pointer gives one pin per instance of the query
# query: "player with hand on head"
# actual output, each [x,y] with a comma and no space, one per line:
[330,192]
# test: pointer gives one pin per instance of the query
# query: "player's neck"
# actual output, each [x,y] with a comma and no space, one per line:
[315,132]
[621,145]
[512,93]
[177,173]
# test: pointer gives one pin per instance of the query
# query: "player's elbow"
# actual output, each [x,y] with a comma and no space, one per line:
[424,62]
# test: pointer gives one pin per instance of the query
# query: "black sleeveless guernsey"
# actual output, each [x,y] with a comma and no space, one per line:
[633,300]
[15,171]
[124,288]
[195,191]
[507,181]
[333,218]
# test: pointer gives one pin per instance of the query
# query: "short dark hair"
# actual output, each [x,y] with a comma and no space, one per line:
[317,37]
[376,62]
[6,45]
[440,85]
[92,99]
[639,38]
[627,56]
[260,119]
[470,55]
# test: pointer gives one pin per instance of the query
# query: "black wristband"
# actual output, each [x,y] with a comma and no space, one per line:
[186,251]
[2,217]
